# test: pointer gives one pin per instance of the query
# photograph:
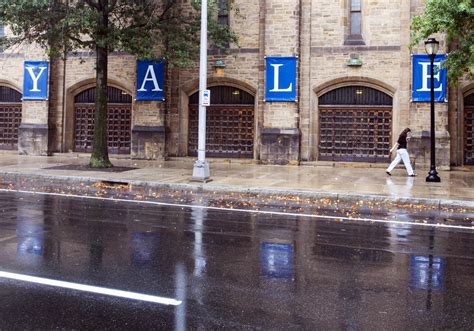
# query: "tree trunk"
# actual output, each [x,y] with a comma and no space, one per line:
[100,154]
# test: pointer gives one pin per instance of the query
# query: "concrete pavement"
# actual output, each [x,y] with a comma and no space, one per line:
[350,182]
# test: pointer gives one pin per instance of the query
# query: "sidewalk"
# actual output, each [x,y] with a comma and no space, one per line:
[351,183]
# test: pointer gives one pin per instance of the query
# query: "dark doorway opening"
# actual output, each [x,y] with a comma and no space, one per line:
[119,120]
[10,117]
[355,125]
[229,123]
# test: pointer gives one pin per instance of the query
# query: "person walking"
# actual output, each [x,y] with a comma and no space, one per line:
[402,153]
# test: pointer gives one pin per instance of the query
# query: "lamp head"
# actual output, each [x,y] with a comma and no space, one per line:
[431,46]
[219,67]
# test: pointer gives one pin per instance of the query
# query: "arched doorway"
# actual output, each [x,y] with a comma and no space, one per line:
[119,119]
[468,128]
[10,117]
[355,124]
[229,123]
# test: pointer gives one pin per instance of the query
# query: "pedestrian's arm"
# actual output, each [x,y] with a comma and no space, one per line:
[394,147]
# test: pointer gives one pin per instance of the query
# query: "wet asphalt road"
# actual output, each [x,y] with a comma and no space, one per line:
[231,270]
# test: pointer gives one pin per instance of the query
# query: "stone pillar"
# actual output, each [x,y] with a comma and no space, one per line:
[280,136]
[280,146]
[419,115]
[401,99]
[33,133]
[148,131]
[56,108]
[420,148]
[304,73]
[420,142]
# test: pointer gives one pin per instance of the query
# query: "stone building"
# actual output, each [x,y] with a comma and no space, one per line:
[353,87]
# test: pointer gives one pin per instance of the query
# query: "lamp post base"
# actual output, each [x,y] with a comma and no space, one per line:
[201,172]
[433,177]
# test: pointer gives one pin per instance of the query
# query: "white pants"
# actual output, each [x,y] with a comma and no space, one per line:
[402,154]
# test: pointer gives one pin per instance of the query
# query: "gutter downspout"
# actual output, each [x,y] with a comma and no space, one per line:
[63,131]
[298,106]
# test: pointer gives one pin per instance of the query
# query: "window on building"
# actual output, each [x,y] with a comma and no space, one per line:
[355,17]
[355,24]
[2,33]
[223,15]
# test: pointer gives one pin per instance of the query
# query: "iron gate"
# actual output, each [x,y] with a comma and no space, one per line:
[229,123]
[468,128]
[355,125]
[119,121]
[10,117]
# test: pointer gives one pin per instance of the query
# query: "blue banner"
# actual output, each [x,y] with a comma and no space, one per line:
[35,80]
[150,80]
[421,84]
[276,260]
[426,272]
[280,79]
[144,247]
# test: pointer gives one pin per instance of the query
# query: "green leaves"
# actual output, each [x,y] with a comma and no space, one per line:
[148,29]
[455,18]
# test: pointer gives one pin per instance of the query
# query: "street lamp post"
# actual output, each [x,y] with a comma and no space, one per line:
[201,167]
[431,47]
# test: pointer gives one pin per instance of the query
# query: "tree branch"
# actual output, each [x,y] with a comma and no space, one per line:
[112,6]
[93,4]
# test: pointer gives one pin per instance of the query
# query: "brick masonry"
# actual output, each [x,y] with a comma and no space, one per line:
[315,31]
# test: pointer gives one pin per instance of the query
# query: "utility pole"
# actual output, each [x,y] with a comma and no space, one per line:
[201,167]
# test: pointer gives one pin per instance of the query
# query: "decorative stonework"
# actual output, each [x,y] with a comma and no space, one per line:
[314,31]
[420,147]
[279,146]
[148,142]
[33,139]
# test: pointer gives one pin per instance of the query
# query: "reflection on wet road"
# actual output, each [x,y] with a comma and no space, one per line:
[230,269]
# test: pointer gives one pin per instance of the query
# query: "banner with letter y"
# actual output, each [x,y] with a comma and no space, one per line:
[35,80]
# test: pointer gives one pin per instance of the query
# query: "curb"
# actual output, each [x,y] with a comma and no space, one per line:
[270,195]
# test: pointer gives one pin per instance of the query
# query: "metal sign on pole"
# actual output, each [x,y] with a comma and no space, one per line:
[201,171]
[206,98]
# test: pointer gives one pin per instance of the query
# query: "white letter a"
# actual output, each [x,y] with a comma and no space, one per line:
[150,71]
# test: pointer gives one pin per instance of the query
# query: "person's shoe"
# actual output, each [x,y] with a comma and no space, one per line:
[388,173]
[412,175]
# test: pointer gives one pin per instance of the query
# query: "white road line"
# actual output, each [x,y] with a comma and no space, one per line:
[157,203]
[91,289]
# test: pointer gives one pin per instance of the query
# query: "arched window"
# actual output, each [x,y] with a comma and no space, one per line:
[9,95]
[114,95]
[355,95]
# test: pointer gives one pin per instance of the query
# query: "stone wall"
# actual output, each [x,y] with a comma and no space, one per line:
[242,70]
[381,57]
[315,31]
[280,135]
[34,130]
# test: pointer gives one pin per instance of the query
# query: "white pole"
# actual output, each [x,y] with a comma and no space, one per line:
[201,167]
